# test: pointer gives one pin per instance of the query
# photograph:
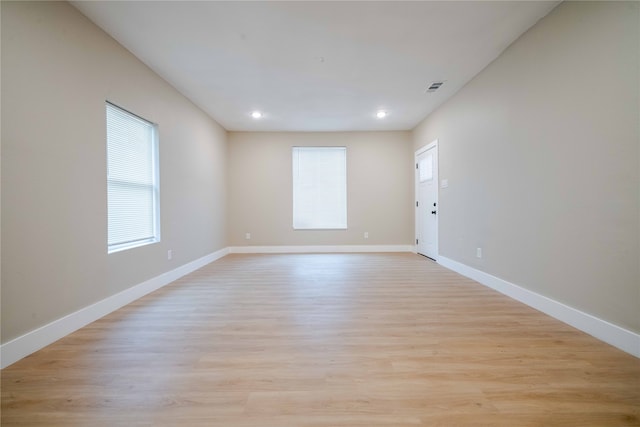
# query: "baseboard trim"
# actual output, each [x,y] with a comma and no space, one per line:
[20,347]
[617,336]
[318,249]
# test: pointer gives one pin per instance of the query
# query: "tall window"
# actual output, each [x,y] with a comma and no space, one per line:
[319,188]
[132,180]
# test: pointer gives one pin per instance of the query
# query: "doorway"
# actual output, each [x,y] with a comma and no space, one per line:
[427,200]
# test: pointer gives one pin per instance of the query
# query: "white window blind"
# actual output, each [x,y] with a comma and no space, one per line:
[319,188]
[132,180]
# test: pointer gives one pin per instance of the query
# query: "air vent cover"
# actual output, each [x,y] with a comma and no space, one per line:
[433,87]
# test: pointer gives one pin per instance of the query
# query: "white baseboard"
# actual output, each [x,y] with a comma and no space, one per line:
[318,249]
[30,342]
[617,336]
[16,349]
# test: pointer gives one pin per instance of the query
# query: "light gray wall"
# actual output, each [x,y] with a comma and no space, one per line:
[379,188]
[541,151]
[57,71]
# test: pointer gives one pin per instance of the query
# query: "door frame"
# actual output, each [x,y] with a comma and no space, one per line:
[416,184]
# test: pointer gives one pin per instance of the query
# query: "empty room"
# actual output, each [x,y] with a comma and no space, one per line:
[320,213]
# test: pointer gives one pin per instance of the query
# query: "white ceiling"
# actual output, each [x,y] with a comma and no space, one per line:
[316,66]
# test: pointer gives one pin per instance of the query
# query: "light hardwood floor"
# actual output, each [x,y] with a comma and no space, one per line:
[324,340]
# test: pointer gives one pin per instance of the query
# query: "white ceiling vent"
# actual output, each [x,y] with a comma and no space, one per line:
[433,87]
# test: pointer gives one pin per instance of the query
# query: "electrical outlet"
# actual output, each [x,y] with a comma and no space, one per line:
[366,234]
[169,254]
[478,252]
[247,236]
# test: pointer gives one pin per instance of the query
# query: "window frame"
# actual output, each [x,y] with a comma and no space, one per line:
[154,186]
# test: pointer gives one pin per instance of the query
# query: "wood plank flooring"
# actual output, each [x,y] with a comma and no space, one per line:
[324,340]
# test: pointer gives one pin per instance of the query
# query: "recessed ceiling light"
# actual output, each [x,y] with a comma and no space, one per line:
[256,115]
[381,114]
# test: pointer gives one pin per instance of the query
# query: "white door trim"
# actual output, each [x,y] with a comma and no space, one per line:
[416,186]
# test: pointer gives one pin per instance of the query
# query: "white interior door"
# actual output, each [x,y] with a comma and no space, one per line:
[427,201]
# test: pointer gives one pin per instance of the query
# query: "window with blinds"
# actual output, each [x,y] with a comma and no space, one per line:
[132,180]
[319,188]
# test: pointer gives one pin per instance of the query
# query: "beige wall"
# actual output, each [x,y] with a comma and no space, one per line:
[57,71]
[541,151]
[379,188]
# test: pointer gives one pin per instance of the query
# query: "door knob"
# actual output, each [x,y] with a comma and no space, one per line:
[433,212]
